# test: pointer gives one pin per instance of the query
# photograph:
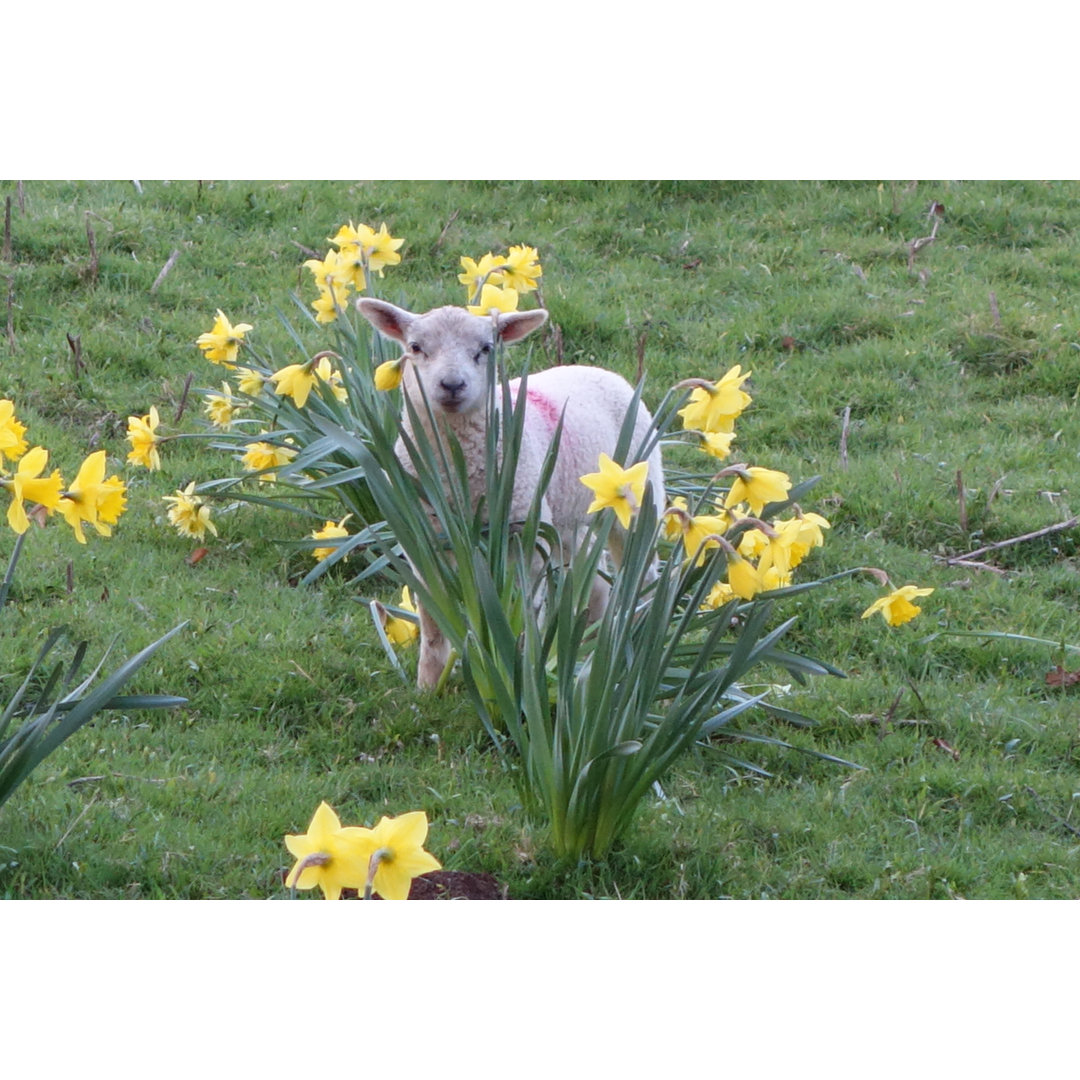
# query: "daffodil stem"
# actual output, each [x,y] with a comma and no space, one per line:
[316,858]
[373,866]
[9,577]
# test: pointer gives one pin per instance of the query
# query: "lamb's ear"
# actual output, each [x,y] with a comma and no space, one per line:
[514,325]
[392,321]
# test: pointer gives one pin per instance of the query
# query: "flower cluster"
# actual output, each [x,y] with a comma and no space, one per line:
[761,555]
[37,494]
[382,860]
[496,282]
[360,252]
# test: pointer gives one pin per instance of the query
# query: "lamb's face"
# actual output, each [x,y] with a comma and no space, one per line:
[449,352]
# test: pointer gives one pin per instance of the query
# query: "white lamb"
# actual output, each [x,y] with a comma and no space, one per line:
[448,353]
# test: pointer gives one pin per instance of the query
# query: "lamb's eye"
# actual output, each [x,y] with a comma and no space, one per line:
[415,348]
[485,350]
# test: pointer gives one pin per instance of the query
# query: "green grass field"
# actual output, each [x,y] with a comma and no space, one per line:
[934,392]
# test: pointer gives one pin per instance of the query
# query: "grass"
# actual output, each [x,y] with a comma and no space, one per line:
[969,758]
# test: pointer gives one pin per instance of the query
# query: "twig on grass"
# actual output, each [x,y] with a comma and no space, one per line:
[965,558]
[445,229]
[845,427]
[170,262]
[82,814]
[1046,810]
[184,396]
[962,501]
[21,196]
[937,213]
[75,344]
[995,314]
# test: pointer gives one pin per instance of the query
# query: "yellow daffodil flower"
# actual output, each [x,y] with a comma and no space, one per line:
[264,455]
[93,499]
[801,534]
[716,408]
[249,381]
[329,302]
[12,443]
[477,274]
[189,514]
[295,381]
[28,485]
[521,268]
[897,608]
[329,271]
[330,531]
[327,855]
[144,439]
[402,631]
[222,343]
[399,849]
[332,377]
[492,298]
[383,250]
[222,408]
[719,595]
[621,489]
[743,577]
[717,443]
[758,487]
[388,374]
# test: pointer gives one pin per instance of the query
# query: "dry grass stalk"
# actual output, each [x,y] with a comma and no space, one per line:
[445,229]
[962,501]
[5,252]
[75,344]
[845,427]
[169,263]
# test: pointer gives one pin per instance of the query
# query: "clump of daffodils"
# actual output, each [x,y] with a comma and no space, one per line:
[360,252]
[35,493]
[383,860]
[496,282]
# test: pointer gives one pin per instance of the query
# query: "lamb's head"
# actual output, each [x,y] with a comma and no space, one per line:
[448,349]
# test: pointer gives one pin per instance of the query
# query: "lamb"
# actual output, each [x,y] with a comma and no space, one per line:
[448,355]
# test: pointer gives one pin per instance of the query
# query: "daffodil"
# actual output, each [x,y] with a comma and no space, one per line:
[402,631]
[189,514]
[328,374]
[801,534]
[388,374]
[716,407]
[264,455]
[249,382]
[144,439]
[621,489]
[897,608]
[743,577]
[221,344]
[758,487]
[330,270]
[493,298]
[327,855]
[716,443]
[522,268]
[383,250]
[12,443]
[719,595]
[400,855]
[477,274]
[93,499]
[221,408]
[295,381]
[330,301]
[28,485]
[330,531]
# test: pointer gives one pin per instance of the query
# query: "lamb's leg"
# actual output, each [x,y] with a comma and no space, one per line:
[434,651]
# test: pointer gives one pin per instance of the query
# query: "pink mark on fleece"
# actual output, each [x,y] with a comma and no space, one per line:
[544,406]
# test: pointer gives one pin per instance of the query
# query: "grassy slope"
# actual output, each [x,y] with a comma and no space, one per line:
[292,700]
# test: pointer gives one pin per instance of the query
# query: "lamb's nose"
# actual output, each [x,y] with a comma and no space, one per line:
[453,387]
